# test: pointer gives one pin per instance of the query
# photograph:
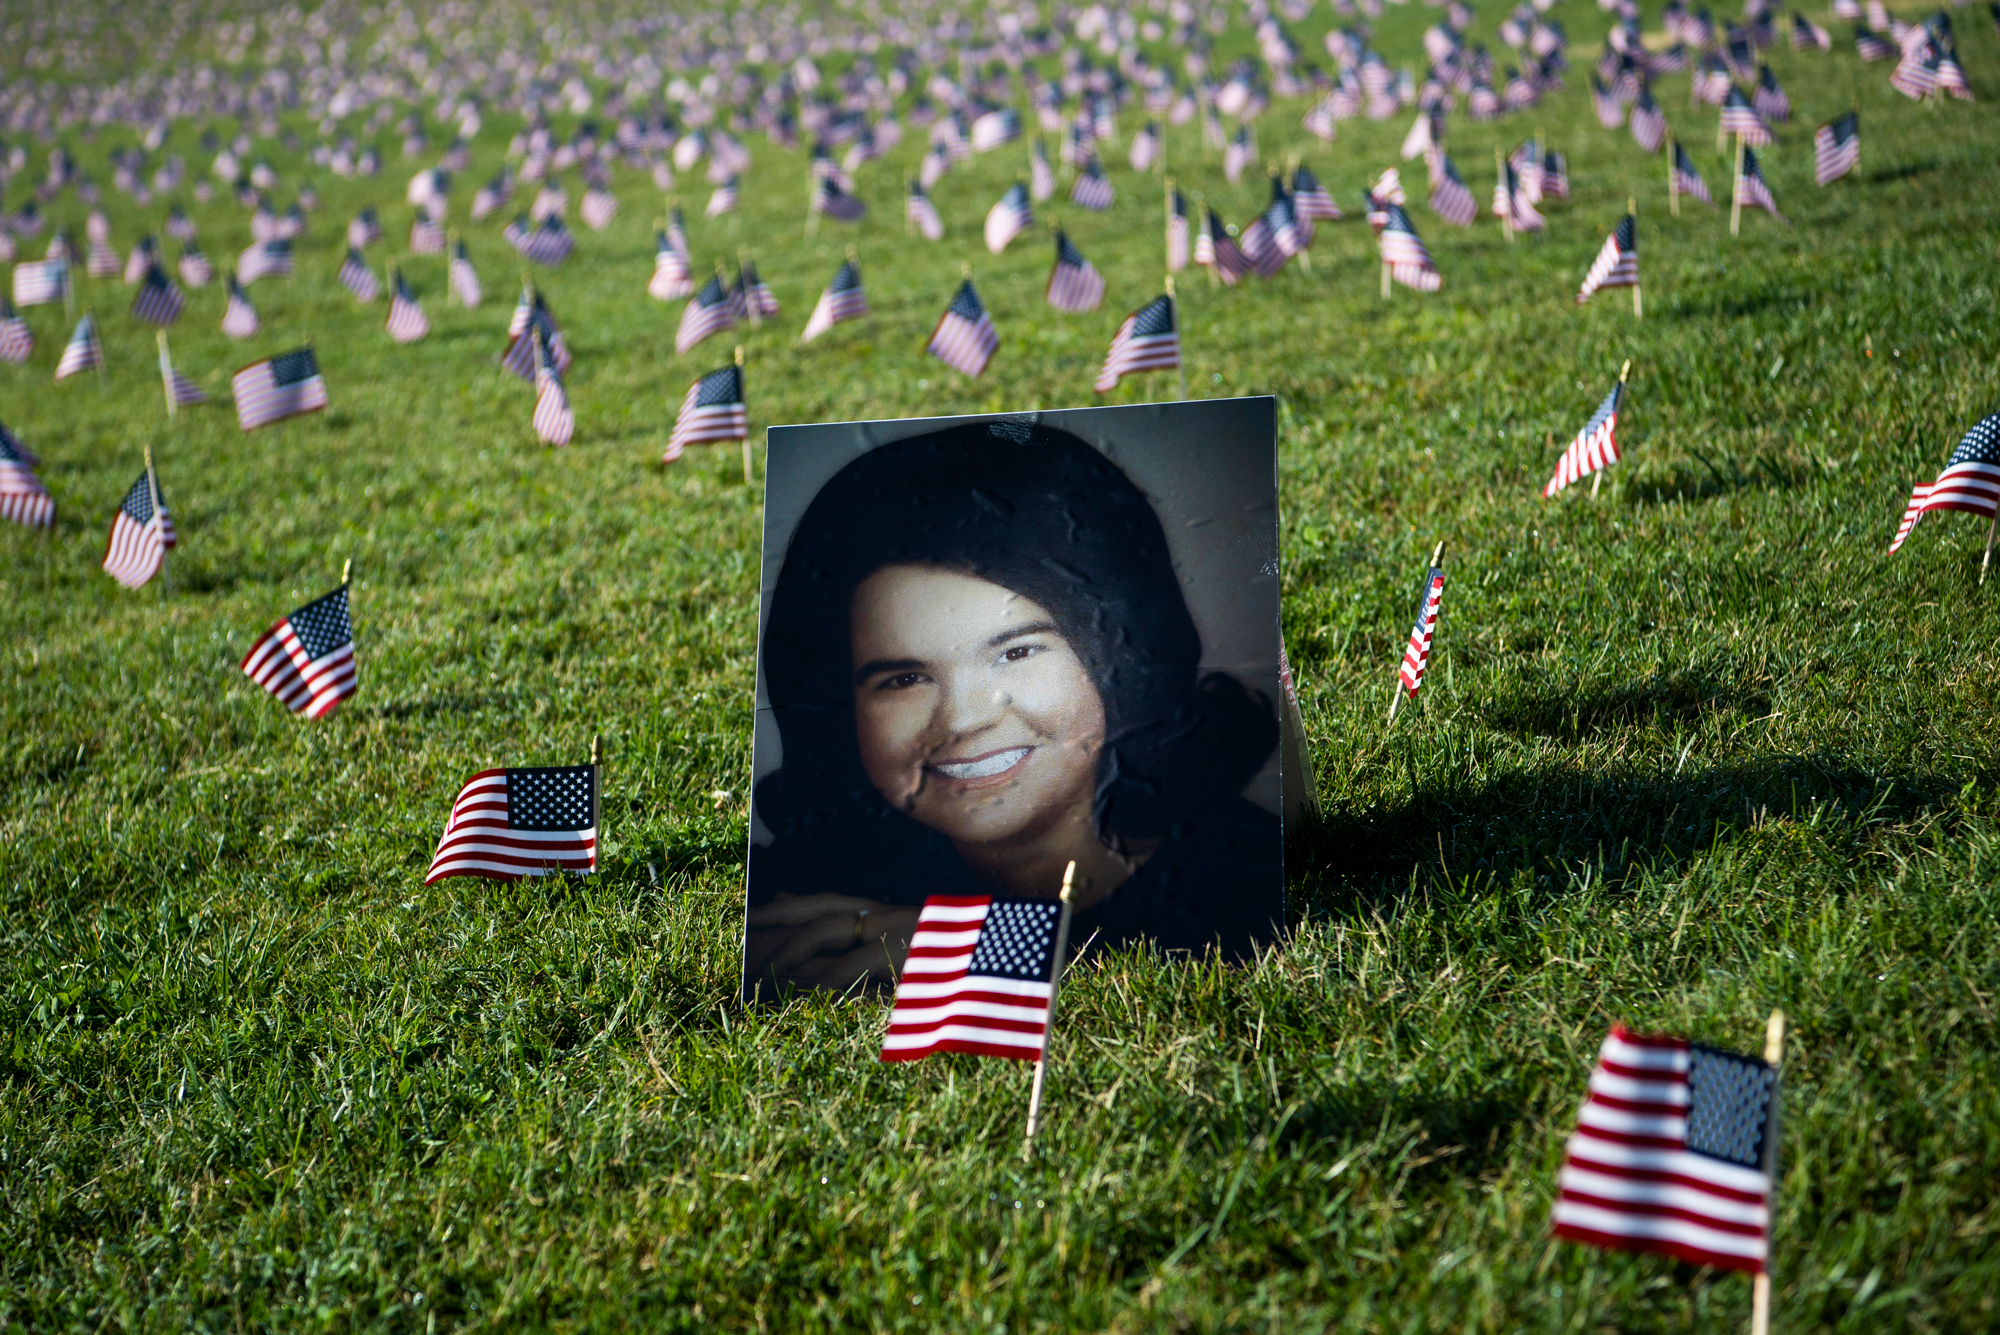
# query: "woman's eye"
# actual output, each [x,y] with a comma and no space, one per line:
[902,681]
[1019,652]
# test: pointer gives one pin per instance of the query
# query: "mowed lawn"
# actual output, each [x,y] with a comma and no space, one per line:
[1691,749]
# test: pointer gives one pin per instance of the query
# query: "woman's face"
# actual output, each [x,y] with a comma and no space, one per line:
[973,713]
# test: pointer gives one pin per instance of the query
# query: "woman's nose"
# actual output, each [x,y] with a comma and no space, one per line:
[970,702]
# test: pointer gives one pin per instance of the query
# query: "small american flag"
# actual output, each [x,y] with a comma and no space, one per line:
[1595,447]
[1610,111]
[1177,230]
[365,230]
[549,244]
[709,313]
[1806,33]
[921,213]
[937,162]
[600,206]
[1916,74]
[1311,198]
[519,359]
[996,128]
[1511,202]
[41,283]
[1146,147]
[407,322]
[833,201]
[426,235]
[979,978]
[1451,199]
[284,386]
[1752,189]
[1403,251]
[1740,118]
[1092,188]
[1687,178]
[1041,176]
[1555,175]
[84,352]
[23,498]
[1648,123]
[722,201]
[712,410]
[1217,251]
[964,339]
[753,296]
[142,532]
[1675,1151]
[358,278]
[17,341]
[102,261]
[1074,283]
[555,423]
[509,824]
[1005,221]
[181,391]
[268,259]
[307,660]
[158,301]
[239,316]
[1417,654]
[1147,341]
[1837,148]
[843,300]
[1617,265]
[1872,46]
[463,278]
[1240,153]
[673,277]
[1970,480]
[196,270]
[1769,100]
[143,257]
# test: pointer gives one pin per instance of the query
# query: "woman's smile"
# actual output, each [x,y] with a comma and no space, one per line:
[985,771]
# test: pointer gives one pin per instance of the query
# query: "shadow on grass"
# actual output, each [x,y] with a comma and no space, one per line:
[1664,700]
[1550,821]
[1701,477]
[1903,172]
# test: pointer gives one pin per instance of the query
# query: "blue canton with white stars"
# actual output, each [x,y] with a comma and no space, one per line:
[1980,446]
[552,798]
[1018,940]
[1730,1106]
[138,506]
[322,625]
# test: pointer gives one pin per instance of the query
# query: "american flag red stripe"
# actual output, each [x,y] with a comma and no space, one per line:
[1074,283]
[713,409]
[1417,654]
[1671,1154]
[965,338]
[23,498]
[507,825]
[1617,264]
[142,532]
[1146,341]
[1970,481]
[284,386]
[843,300]
[943,1005]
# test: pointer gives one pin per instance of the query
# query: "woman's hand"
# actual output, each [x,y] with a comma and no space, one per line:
[827,941]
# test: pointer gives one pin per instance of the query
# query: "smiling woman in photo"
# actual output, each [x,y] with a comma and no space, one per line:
[982,667]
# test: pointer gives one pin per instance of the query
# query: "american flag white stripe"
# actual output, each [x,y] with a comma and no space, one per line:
[141,534]
[843,300]
[941,1007]
[260,397]
[23,498]
[1630,1179]
[965,338]
[1595,447]
[282,664]
[713,409]
[1146,341]
[83,352]
[1616,265]
[17,340]
[40,283]
[407,322]
[1417,654]
[479,839]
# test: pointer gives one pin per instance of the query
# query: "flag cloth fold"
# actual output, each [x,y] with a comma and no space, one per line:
[1074,283]
[1595,447]
[843,300]
[284,386]
[710,312]
[1417,654]
[307,660]
[1970,480]
[1617,265]
[23,498]
[83,353]
[509,824]
[964,339]
[1146,341]
[1008,218]
[979,978]
[142,532]
[1675,1151]
[555,423]
[713,409]
[407,322]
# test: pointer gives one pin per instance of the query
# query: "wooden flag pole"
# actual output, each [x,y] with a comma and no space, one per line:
[1987,559]
[167,374]
[1673,182]
[1049,1021]
[1760,1287]
[909,223]
[1632,207]
[153,491]
[90,314]
[1736,189]
[346,569]
[1385,280]
[1167,223]
[1396,690]
[812,208]
[749,301]
[1180,362]
[749,471]
[1500,189]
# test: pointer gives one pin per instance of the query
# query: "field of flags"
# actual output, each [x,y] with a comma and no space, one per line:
[266,281]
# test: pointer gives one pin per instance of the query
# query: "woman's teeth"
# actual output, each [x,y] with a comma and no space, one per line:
[983,768]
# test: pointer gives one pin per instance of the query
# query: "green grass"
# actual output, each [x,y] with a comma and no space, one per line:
[1689,751]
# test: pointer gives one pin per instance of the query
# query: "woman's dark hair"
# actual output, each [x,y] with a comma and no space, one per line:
[1039,512]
